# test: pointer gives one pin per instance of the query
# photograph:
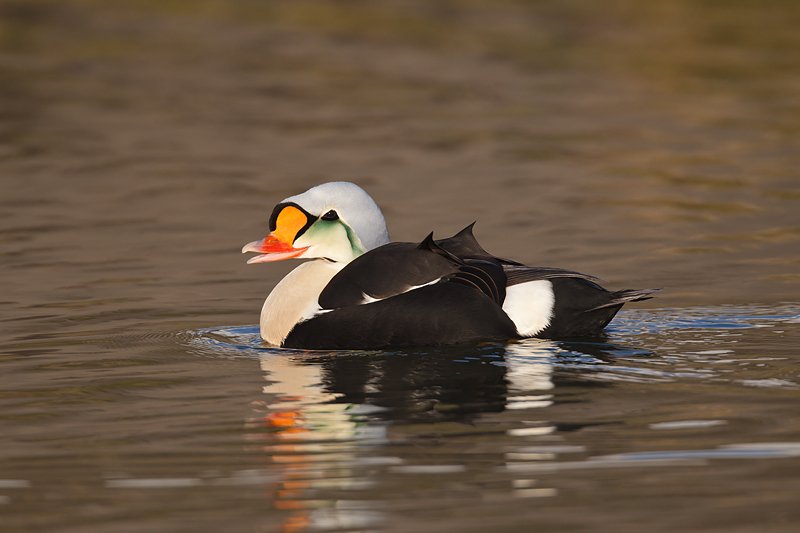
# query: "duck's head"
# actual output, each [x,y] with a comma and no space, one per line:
[337,221]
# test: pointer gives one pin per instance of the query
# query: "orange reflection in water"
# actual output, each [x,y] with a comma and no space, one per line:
[299,432]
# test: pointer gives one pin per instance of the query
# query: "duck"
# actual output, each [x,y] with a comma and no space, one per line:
[361,291]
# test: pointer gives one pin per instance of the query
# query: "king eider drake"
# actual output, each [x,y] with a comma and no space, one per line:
[361,291]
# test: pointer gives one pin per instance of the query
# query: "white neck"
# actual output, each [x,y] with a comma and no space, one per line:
[295,298]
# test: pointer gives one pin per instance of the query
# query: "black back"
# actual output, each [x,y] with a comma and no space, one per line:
[448,312]
[384,272]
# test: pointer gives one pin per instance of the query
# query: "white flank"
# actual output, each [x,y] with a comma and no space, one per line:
[530,306]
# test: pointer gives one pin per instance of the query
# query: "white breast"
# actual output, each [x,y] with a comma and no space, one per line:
[530,306]
[295,298]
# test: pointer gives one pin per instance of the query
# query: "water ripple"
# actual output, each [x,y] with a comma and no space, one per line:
[652,346]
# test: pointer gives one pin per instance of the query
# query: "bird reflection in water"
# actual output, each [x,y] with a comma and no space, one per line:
[311,437]
[332,421]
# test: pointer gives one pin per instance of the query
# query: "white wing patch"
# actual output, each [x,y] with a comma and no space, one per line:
[367,299]
[415,287]
[530,306]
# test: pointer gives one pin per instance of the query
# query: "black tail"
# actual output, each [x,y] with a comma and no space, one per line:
[625,296]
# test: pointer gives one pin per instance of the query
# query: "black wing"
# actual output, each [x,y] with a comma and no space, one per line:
[449,312]
[620,298]
[464,305]
[396,267]
[522,274]
[384,272]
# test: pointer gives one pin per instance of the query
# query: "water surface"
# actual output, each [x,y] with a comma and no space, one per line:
[651,144]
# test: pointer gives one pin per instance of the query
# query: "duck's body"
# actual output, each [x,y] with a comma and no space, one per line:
[364,292]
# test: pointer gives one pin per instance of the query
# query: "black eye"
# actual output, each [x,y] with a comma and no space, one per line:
[330,215]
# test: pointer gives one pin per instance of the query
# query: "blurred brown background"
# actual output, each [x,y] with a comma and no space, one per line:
[143,142]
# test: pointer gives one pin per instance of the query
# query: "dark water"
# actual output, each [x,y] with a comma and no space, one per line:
[652,144]
[682,417]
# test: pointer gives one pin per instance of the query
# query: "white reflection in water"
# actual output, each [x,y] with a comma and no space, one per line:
[153,483]
[769,383]
[534,431]
[665,458]
[304,423]
[535,493]
[320,442]
[728,451]
[530,368]
[688,424]
[428,469]
[305,411]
